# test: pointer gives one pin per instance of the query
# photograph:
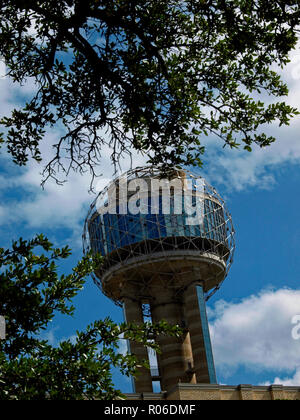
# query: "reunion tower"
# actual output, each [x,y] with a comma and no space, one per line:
[168,241]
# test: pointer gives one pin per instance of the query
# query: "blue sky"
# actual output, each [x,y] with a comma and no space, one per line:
[251,316]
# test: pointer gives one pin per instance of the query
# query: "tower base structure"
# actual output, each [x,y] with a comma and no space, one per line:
[193,392]
[167,242]
[186,359]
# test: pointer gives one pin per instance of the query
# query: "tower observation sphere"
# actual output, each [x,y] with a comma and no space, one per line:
[167,242]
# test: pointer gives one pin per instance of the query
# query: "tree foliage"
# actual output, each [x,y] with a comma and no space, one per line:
[150,75]
[31,293]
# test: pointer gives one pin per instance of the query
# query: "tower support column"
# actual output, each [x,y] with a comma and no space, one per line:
[196,318]
[176,358]
[134,314]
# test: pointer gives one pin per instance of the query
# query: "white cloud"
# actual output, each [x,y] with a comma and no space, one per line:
[53,339]
[257,332]
[240,170]
[54,207]
[286,381]
[50,337]
[237,169]
[24,202]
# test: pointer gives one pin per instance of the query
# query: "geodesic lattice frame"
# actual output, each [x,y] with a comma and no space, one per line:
[125,238]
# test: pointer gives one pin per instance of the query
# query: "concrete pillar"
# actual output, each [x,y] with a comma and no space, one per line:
[176,356]
[134,314]
[245,392]
[194,324]
[277,392]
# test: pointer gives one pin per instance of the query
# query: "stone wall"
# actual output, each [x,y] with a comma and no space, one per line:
[202,392]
